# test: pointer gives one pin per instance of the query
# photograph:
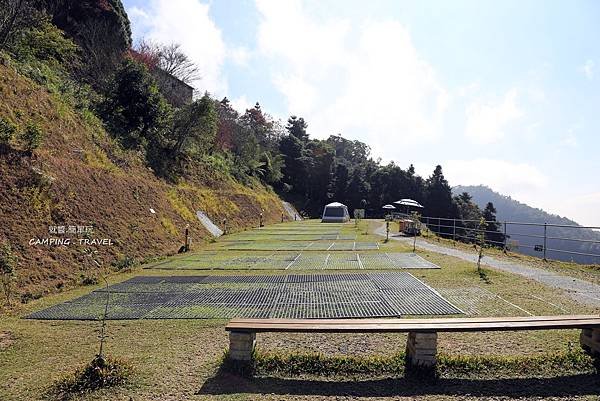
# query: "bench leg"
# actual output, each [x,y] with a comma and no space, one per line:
[241,345]
[421,350]
[590,341]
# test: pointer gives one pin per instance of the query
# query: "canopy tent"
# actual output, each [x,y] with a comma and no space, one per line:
[335,212]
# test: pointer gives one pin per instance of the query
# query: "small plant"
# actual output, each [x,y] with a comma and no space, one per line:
[32,137]
[8,263]
[89,280]
[124,263]
[101,372]
[479,246]
[7,131]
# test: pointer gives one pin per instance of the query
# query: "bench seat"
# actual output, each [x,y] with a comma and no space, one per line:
[422,340]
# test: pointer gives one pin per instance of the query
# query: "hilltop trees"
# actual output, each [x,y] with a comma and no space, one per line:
[206,138]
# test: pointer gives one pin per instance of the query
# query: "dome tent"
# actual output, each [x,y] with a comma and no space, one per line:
[335,213]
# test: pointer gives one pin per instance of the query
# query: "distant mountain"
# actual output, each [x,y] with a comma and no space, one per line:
[526,237]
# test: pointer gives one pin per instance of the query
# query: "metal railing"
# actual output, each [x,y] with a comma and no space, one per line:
[541,239]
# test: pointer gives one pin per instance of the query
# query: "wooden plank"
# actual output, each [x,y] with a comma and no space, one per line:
[421,320]
[407,325]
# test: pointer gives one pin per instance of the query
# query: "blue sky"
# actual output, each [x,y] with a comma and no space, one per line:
[504,94]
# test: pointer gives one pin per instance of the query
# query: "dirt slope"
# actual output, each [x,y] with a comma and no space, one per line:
[79,177]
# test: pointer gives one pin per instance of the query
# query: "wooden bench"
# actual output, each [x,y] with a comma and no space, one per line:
[421,347]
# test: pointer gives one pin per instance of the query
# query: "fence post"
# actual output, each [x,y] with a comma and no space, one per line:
[439,228]
[545,228]
[504,236]
[454,230]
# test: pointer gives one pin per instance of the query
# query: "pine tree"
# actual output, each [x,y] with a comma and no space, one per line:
[493,236]
[439,199]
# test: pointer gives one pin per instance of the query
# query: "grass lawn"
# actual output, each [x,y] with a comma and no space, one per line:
[181,359]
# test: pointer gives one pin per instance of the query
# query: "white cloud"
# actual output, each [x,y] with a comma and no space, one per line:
[522,181]
[581,208]
[188,23]
[241,104]
[366,81]
[588,69]
[570,139]
[486,121]
[240,55]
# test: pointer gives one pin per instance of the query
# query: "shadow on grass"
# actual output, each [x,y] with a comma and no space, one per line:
[577,385]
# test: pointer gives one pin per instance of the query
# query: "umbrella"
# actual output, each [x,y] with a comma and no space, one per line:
[408,202]
[389,207]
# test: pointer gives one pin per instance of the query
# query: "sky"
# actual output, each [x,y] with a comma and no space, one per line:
[504,94]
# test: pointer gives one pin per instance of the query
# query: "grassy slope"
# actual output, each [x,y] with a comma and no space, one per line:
[180,359]
[92,182]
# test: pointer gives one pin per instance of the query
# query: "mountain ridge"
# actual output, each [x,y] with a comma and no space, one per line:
[528,237]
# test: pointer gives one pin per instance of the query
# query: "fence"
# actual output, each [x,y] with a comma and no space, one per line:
[538,239]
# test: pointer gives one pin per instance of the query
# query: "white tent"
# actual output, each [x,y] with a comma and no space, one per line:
[335,213]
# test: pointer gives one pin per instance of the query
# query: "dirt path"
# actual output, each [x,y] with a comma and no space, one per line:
[580,290]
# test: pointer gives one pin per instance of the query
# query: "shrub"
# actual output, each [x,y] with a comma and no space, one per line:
[7,131]
[89,280]
[102,372]
[126,262]
[32,137]
[8,263]
[45,42]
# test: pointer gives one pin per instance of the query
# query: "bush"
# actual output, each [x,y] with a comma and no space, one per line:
[7,131]
[8,263]
[102,372]
[47,43]
[32,137]
[126,262]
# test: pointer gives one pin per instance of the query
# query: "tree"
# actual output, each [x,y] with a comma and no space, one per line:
[297,128]
[493,236]
[297,163]
[358,189]
[194,128]
[102,30]
[14,16]
[469,215]
[227,121]
[135,110]
[439,201]
[174,61]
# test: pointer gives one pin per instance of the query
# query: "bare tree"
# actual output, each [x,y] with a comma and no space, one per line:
[12,12]
[174,61]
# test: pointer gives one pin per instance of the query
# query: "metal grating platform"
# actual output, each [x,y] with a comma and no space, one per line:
[247,245]
[300,261]
[358,295]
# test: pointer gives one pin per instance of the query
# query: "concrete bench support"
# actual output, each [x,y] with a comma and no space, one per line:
[421,349]
[590,341]
[241,345]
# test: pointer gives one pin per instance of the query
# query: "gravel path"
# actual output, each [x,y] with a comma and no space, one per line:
[580,290]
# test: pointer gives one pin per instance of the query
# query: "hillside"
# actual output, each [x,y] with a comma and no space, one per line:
[509,209]
[79,176]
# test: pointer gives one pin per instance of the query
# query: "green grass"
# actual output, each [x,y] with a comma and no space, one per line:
[173,359]
[449,366]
